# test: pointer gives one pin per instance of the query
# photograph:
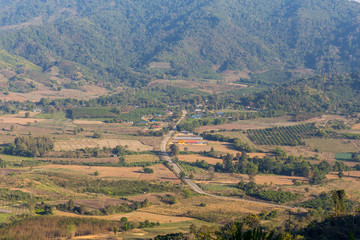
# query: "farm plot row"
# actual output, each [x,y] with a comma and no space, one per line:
[287,136]
[73,144]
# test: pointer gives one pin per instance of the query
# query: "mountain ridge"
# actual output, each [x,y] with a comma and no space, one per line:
[111,39]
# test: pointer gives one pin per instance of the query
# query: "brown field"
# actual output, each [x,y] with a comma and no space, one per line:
[86,92]
[275,179]
[194,157]
[160,172]
[356,126]
[209,86]
[141,158]
[260,123]
[73,144]
[87,122]
[217,210]
[347,175]
[138,216]
[259,179]
[19,118]
[232,76]
[218,146]
[163,65]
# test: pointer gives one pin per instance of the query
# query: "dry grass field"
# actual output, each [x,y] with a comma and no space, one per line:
[209,86]
[260,123]
[160,172]
[217,210]
[87,122]
[194,157]
[74,143]
[218,146]
[138,216]
[259,179]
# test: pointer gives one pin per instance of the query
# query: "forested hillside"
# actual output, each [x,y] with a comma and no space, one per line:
[334,93]
[130,42]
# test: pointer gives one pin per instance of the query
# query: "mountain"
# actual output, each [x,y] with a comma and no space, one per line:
[133,42]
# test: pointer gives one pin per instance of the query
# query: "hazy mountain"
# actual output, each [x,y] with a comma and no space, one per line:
[110,39]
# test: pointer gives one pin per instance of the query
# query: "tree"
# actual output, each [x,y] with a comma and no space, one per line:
[182,175]
[115,229]
[228,163]
[174,149]
[124,220]
[96,135]
[339,200]
[96,173]
[148,170]
[27,115]
[252,170]
[12,128]
[2,163]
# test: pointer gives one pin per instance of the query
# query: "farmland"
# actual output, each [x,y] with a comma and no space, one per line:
[291,135]
[73,144]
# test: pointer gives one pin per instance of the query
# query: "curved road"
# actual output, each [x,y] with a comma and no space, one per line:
[194,186]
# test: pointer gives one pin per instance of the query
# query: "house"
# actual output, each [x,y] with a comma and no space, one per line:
[181,142]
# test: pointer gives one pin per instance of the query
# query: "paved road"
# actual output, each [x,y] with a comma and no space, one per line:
[194,186]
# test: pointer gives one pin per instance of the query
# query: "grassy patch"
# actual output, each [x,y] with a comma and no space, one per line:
[188,168]
[216,187]
[4,217]
[59,115]
[343,156]
[332,145]
[163,229]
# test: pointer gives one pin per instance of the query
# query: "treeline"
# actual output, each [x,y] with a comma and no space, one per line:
[279,165]
[29,146]
[82,209]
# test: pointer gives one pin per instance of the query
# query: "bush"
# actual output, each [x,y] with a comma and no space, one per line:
[148,170]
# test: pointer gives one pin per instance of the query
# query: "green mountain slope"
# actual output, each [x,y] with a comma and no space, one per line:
[117,40]
[332,93]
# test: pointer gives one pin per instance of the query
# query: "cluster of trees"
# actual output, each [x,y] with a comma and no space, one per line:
[290,135]
[330,93]
[280,165]
[261,191]
[29,146]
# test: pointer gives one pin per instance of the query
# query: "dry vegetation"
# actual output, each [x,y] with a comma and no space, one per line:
[160,172]
[73,144]
[217,210]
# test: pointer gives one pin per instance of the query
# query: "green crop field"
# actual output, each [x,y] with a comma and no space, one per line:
[216,187]
[343,156]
